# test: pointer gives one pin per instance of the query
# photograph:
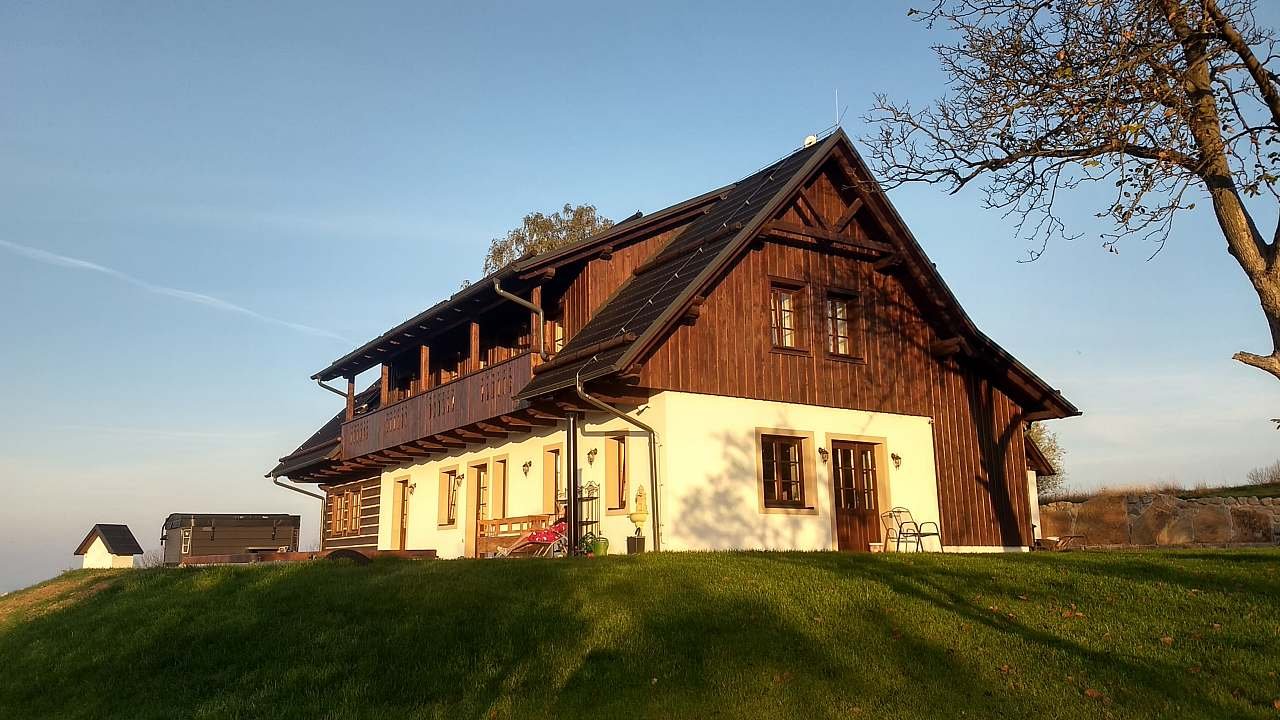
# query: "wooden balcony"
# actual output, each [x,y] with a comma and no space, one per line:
[471,398]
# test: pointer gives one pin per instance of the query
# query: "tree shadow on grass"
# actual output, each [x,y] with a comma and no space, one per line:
[972,595]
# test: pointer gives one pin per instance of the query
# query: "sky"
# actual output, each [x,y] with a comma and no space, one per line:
[202,204]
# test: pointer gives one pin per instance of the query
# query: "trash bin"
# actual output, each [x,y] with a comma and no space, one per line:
[635,544]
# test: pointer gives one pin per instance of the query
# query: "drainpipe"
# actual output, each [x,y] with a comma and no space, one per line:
[653,451]
[573,509]
[330,388]
[537,332]
[276,481]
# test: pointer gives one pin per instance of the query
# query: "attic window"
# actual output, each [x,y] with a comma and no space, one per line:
[784,305]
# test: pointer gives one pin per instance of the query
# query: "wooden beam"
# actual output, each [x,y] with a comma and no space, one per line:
[802,201]
[849,212]
[351,398]
[491,430]
[424,367]
[386,383]
[449,440]
[948,347]
[538,419]
[888,263]
[473,362]
[515,423]
[428,445]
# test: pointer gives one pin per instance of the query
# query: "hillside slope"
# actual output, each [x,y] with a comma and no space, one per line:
[1079,635]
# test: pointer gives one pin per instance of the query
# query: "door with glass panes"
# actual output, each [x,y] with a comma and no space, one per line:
[853,475]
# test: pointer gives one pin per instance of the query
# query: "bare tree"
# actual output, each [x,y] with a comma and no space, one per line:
[1166,100]
[1265,475]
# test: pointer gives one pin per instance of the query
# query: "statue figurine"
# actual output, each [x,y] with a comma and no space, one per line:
[641,513]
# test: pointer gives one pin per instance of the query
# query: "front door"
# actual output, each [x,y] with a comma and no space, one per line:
[853,475]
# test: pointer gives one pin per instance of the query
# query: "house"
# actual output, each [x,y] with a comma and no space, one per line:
[108,546]
[775,362]
[187,535]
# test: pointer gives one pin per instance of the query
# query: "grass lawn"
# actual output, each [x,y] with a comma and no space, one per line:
[1260,491]
[1174,634]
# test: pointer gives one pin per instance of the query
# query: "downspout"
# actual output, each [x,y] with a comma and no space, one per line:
[537,332]
[653,451]
[330,388]
[276,481]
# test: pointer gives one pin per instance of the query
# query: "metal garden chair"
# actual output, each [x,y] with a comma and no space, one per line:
[899,526]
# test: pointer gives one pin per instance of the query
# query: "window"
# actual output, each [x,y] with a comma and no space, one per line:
[783,471]
[555,335]
[449,497]
[553,490]
[186,540]
[344,513]
[498,494]
[840,325]
[615,470]
[783,306]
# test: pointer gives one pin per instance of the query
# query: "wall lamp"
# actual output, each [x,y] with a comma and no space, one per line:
[897,460]
[824,454]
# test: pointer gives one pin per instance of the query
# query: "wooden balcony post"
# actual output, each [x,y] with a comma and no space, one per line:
[474,361]
[386,383]
[351,398]
[536,342]
[424,368]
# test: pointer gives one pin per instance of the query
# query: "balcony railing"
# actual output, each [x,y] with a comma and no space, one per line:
[471,398]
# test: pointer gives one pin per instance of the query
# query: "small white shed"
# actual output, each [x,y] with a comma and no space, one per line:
[109,546]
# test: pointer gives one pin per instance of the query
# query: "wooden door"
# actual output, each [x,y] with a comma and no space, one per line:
[853,475]
[404,515]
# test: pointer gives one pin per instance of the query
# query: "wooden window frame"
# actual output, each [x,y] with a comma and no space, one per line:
[853,325]
[185,547]
[550,475]
[500,503]
[808,472]
[617,474]
[447,497]
[883,476]
[401,488]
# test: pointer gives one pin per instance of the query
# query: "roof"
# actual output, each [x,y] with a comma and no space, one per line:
[1037,461]
[117,539]
[642,305]
[177,520]
[324,445]
[437,317]
[650,302]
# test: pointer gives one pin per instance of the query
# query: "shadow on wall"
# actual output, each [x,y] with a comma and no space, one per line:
[721,511]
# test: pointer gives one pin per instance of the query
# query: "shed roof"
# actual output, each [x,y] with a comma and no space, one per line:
[118,539]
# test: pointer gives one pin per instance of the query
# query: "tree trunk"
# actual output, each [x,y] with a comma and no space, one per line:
[1244,242]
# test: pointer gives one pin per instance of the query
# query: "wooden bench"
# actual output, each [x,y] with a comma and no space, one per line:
[500,532]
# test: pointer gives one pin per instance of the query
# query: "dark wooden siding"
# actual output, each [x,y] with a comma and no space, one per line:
[600,279]
[370,510]
[977,427]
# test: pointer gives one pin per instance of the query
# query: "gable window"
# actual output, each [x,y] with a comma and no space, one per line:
[782,463]
[840,325]
[784,302]
[615,469]
[186,540]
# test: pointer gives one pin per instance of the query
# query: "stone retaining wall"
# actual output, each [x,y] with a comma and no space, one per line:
[1118,520]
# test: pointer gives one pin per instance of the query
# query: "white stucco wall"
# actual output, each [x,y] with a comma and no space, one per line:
[709,460]
[524,492]
[97,556]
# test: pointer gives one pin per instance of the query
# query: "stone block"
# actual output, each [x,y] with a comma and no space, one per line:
[1103,520]
[1147,528]
[1251,525]
[1212,524]
[1179,530]
[1056,519]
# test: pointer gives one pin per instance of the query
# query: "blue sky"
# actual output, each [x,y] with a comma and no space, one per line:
[202,204]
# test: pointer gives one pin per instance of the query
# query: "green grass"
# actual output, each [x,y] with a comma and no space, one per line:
[1185,634]
[1261,491]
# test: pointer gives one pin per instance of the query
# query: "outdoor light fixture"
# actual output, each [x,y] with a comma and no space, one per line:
[897,460]
[527,464]
[824,454]
[591,456]
[412,487]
